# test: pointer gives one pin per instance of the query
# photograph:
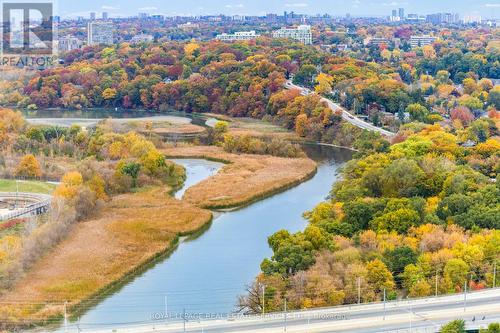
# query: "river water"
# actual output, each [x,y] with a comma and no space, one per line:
[207,274]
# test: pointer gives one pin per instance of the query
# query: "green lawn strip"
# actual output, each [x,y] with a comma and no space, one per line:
[9,185]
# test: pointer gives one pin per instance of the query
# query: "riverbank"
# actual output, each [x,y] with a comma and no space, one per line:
[131,232]
[244,179]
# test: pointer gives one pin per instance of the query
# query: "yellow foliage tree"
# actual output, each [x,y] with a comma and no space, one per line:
[300,124]
[29,167]
[190,48]
[109,93]
[70,183]
[429,52]
[324,83]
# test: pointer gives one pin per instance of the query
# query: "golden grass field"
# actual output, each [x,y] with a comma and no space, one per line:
[181,129]
[245,179]
[132,230]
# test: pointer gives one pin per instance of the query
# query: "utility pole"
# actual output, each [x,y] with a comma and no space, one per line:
[285,314]
[359,290]
[166,307]
[65,317]
[436,283]
[384,303]
[495,274]
[17,192]
[411,316]
[184,320]
[263,299]
[465,295]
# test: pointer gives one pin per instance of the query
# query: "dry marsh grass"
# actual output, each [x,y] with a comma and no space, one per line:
[245,179]
[129,233]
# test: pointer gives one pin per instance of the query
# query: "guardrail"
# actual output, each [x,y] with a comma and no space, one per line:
[40,206]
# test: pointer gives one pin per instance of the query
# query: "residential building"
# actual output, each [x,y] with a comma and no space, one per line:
[302,33]
[99,33]
[237,36]
[68,43]
[472,19]
[142,38]
[238,18]
[412,18]
[376,41]
[439,18]
[189,26]
[419,41]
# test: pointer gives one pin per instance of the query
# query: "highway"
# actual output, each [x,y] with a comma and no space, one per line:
[478,309]
[345,114]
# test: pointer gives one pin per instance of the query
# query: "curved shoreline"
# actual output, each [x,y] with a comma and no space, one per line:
[142,267]
[254,177]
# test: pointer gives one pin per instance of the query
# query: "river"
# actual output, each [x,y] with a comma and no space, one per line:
[208,273]
[90,117]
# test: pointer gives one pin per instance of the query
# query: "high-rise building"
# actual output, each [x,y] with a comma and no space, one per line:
[401,13]
[302,33]
[104,15]
[99,33]
[92,16]
[394,16]
[434,18]
[237,36]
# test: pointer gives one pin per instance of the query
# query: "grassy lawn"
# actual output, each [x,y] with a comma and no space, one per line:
[9,185]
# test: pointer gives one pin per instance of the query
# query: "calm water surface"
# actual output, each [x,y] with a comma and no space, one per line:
[206,274]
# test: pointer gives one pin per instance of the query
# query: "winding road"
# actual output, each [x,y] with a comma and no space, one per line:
[345,114]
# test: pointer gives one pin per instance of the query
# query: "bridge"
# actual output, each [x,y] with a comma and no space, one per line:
[32,204]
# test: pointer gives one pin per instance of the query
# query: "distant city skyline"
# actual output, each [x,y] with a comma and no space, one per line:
[116,8]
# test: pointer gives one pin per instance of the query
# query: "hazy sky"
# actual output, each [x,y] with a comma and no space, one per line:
[485,8]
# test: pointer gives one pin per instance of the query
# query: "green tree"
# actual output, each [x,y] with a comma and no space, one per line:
[456,326]
[456,271]
[400,221]
[397,259]
[492,328]
[403,177]
[417,112]
[494,97]
[132,169]
[360,212]
[305,75]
